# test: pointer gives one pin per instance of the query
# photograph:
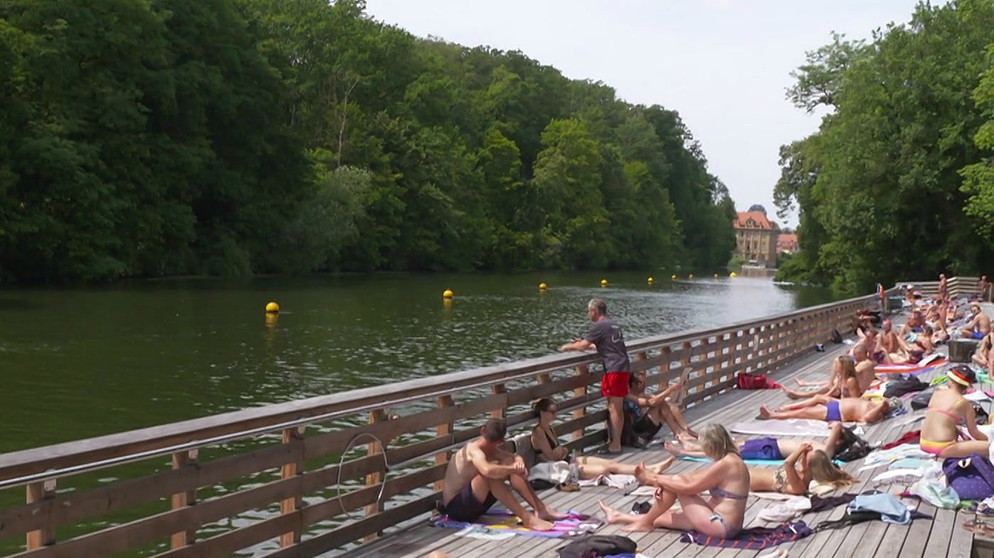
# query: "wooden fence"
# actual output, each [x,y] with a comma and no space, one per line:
[302,478]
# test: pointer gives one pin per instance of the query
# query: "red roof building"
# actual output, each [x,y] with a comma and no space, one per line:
[756,238]
[787,244]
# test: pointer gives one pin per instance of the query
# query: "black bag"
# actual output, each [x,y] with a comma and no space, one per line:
[982,416]
[850,518]
[595,546]
[921,400]
[903,386]
[853,447]
[836,337]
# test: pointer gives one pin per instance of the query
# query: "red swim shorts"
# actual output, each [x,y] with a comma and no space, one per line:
[615,384]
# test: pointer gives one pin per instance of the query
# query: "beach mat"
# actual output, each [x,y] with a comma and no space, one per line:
[501,524]
[913,369]
[790,427]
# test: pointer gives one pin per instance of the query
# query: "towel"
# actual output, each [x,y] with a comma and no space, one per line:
[756,538]
[500,523]
[775,428]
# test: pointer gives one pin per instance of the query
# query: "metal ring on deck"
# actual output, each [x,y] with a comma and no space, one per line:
[386,468]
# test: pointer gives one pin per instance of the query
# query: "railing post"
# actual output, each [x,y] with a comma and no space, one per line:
[581,391]
[183,499]
[498,389]
[442,431]
[36,492]
[294,438]
[372,479]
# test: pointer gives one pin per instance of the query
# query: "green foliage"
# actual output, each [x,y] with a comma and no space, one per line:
[146,138]
[896,181]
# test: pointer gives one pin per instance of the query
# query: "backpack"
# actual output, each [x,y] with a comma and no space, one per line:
[595,546]
[853,447]
[971,477]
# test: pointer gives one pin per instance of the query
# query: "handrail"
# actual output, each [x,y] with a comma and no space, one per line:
[89,454]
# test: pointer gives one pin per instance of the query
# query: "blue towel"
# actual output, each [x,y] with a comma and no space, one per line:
[773,462]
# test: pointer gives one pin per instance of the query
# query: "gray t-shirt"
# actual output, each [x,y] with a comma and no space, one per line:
[610,344]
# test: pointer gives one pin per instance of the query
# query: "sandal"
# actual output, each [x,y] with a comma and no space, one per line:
[979,527]
[568,487]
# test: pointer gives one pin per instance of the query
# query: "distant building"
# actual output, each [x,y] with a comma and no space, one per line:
[756,238]
[787,244]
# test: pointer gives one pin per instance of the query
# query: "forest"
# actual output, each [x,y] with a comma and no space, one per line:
[897,183]
[151,138]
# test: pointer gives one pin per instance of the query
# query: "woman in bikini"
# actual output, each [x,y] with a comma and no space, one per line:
[547,447]
[720,515]
[841,382]
[947,410]
[804,460]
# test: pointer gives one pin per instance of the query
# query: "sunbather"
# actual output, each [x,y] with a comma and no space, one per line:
[947,411]
[849,409]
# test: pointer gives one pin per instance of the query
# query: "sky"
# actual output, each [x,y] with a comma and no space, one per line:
[724,65]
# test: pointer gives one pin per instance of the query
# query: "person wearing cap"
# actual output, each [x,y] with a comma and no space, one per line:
[947,411]
[979,326]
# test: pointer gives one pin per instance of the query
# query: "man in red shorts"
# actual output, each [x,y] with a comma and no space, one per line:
[605,335]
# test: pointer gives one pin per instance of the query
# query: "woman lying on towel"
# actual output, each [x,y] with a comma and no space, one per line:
[804,460]
[847,409]
[947,410]
[546,444]
[720,515]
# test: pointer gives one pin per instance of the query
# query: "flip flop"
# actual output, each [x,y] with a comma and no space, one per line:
[608,451]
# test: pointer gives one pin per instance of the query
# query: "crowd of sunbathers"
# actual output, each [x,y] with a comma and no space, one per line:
[712,499]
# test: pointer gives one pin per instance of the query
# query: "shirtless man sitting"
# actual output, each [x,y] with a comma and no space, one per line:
[979,326]
[474,481]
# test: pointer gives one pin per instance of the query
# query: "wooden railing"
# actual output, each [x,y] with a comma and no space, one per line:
[958,286]
[306,477]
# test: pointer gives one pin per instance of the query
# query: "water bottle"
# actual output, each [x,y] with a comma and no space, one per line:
[574,469]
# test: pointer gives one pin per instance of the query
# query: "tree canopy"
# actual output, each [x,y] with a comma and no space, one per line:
[897,181]
[147,138]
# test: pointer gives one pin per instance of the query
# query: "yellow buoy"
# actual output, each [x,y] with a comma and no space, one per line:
[733,274]
[715,275]
[691,276]
[603,282]
[272,308]
[542,286]
[673,277]
[651,280]
[447,293]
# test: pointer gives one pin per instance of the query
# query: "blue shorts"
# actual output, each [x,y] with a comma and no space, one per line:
[465,507]
[833,413]
[761,448]
[977,335]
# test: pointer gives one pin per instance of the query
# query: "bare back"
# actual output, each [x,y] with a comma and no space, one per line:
[461,470]
[946,409]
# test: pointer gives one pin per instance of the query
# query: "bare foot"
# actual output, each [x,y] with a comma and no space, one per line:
[550,514]
[612,516]
[658,468]
[688,436]
[536,523]
[638,526]
[764,412]
[674,449]
[684,382]
[642,475]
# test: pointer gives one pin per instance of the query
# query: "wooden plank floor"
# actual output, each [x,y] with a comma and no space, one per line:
[942,536]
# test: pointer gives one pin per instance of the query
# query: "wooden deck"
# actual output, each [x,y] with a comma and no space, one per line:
[942,536]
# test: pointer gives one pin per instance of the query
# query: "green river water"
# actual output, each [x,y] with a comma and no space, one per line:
[85,362]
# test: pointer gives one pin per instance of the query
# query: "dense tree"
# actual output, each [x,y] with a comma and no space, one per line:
[238,136]
[881,185]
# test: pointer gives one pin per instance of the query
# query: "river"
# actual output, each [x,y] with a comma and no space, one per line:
[85,362]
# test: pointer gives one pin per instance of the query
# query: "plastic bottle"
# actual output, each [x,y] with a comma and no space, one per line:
[574,469]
